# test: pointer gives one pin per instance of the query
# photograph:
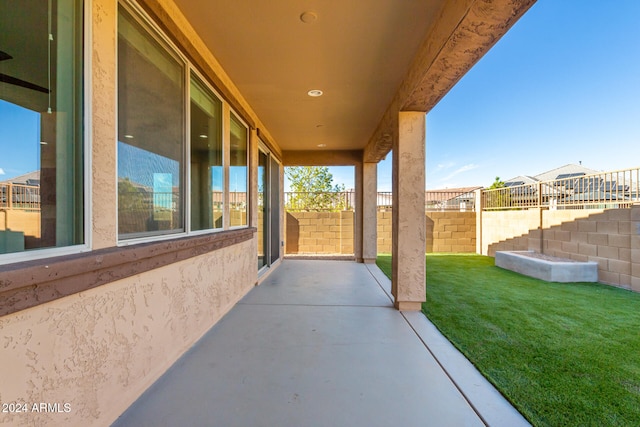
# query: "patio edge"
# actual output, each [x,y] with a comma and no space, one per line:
[490,405]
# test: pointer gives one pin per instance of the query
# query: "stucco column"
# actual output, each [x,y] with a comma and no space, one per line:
[226,160]
[252,214]
[103,112]
[357,231]
[478,208]
[409,229]
[369,212]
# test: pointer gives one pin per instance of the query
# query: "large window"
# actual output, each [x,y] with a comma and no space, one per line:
[207,185]
[178,171]
[151,133]
[41,130]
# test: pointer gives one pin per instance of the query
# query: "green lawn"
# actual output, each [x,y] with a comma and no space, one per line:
[563,354]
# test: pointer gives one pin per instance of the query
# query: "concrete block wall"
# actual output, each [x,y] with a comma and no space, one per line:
[634,238]
[319,232]
[23,221]
[385,232]
[237,217]
[609,237]
[510,231]
[445,232]
[260,233]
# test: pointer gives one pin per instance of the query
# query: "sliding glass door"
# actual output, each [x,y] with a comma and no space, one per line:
[274,208]
[263,215]
[268,209]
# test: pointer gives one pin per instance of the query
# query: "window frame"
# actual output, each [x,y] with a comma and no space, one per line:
[86,145]
[239,118]
[203,80]
[143,18]
[156,33]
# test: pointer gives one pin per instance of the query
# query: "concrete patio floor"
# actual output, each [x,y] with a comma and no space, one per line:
[319,343]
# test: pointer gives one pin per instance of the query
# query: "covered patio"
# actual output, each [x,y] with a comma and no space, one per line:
[161,207]
[319,343]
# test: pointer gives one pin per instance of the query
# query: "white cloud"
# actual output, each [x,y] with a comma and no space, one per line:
[1,171]
[442,166]
[460,170]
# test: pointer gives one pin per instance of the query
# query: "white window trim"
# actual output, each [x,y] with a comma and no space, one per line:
[203,80]
[248,192]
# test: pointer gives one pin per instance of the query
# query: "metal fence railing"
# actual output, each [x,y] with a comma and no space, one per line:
[435,200]
[319,201]
[443,200]
[237,199]
[19,196]
[617,189]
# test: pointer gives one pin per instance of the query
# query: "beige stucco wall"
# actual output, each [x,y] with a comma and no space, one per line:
[103,124]
[99,350]
[609,237]
[445,232]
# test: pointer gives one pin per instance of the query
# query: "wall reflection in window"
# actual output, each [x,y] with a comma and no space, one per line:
[41,147]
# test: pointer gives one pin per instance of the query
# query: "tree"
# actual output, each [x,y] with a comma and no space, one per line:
[312,189]
[497,184]
[498,198]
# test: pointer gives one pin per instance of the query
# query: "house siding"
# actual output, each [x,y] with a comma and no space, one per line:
[99,349]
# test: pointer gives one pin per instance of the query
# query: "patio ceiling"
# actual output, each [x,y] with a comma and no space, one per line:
[371,58]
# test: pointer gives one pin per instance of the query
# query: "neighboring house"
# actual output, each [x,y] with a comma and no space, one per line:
[31,178]
[553,174]
[185,97]
[462,198]
[24,194]
[564,172]
[569,183]
[520,180]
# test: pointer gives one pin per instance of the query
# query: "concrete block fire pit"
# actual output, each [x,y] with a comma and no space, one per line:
[546,267]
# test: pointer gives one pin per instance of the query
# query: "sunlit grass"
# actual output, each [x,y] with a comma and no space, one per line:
[563,354]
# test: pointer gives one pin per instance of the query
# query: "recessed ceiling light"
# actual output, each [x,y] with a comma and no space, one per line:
[129,136]
[203,136]
[322,145]
[309,17]
[315,93]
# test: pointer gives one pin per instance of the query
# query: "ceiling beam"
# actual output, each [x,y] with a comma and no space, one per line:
[462,34]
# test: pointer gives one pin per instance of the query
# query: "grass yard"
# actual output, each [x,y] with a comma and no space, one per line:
[563,354]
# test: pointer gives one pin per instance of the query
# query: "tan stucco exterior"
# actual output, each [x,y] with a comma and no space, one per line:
[409,229]
[102,123]
[100,349]
[369,212]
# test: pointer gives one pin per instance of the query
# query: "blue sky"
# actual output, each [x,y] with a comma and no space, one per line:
[562,86]
[18,125]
